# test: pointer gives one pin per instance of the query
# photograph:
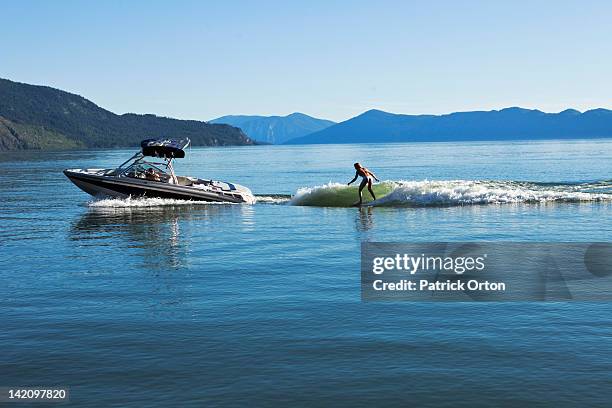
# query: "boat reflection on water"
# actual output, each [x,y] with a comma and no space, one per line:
[159,235]
[152,251]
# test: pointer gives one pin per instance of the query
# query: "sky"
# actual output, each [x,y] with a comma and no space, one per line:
[329,59]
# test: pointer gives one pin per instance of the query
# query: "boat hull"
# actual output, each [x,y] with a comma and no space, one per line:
[123,187]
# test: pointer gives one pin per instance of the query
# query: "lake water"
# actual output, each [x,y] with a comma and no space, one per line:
[168,303]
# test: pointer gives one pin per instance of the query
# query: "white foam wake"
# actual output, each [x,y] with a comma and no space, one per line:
[445,193]
[462,192]
[141,202]
[272,199]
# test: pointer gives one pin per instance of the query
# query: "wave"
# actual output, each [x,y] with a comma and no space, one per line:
[453,193]
[337,195]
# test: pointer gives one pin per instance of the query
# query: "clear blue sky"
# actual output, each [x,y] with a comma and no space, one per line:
[331,59]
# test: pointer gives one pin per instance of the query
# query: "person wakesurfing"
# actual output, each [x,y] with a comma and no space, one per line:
[366,176]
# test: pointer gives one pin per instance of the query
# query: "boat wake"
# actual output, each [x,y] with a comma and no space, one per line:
[453,193]
[143,202]
[273,198]
[427,193]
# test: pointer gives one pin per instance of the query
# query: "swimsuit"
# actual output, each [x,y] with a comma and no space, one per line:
[365,180]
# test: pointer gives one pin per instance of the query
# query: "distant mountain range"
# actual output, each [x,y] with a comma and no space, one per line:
[275,129]
[40,117]
[375,126]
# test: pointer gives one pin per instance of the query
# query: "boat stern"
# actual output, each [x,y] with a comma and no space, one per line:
[246,194]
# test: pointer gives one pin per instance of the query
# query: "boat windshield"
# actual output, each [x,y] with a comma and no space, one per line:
[148,171]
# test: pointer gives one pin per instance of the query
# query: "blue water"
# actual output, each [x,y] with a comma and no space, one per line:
[202,305]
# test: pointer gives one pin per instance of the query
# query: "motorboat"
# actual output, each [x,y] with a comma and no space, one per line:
[150,173]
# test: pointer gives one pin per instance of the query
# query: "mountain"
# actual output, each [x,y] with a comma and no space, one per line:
[275,129]
[506,124]
[40,117]
[14,136]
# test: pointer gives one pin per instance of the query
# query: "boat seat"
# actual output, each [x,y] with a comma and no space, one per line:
[184,181]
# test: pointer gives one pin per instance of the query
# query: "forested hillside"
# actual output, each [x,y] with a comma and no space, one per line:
[40,117]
